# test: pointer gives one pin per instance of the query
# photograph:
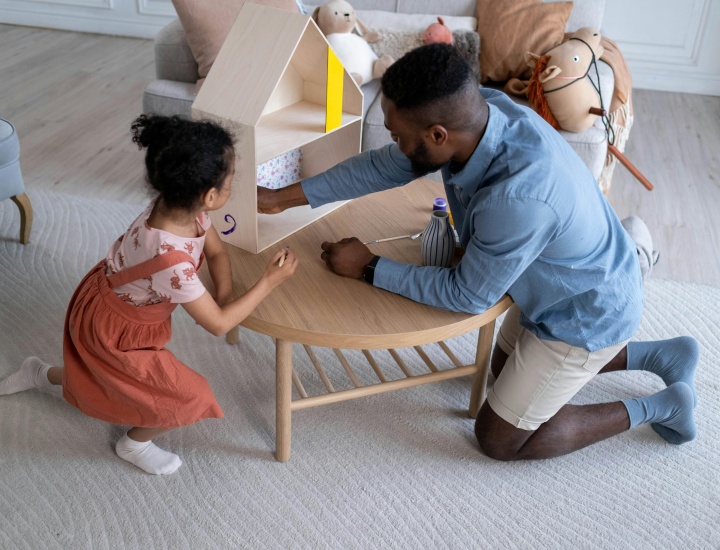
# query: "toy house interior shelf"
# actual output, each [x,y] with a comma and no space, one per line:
[297,124]
[270,86]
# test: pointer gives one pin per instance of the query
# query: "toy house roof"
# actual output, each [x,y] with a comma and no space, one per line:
[265,48]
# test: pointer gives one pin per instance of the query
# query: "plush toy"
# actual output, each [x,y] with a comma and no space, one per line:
[560,88]
[562,92]
[437,33]
[337,20]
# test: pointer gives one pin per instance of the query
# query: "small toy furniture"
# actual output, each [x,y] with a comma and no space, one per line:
[11,182]
[319,308]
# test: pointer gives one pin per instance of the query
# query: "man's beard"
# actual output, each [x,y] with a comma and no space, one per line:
[420,162]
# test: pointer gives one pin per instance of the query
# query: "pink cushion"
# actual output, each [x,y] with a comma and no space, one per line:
[208,22]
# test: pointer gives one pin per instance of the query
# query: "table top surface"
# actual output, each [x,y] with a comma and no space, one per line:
[320,308]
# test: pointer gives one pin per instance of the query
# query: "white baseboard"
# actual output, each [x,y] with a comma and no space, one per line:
[703,84]
[135,29]
[102,22]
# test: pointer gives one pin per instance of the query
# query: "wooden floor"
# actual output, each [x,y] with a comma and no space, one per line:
[73,96]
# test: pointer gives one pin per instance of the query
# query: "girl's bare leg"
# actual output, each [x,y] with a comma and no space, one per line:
[146,434]
[54,375]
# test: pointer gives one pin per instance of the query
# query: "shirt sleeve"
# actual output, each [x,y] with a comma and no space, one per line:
[507,237]
[371,171]
[178,284]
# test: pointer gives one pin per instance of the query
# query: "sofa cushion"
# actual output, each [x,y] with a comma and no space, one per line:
[173,58]
[431,7]
[398,43]
[207,24]
[585,13]
[168,98]
[413,21]
[509,29]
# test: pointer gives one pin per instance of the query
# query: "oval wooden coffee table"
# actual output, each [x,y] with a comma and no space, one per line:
[319,308]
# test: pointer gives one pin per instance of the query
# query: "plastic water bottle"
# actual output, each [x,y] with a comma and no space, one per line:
[441,204]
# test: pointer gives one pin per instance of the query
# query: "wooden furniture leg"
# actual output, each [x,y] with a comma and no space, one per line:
[26,216]
[233,335]
[283,398]
[482,360]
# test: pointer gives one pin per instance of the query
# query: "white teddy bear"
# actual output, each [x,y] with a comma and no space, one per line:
[337,20]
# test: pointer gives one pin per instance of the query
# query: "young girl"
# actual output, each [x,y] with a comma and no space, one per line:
[115,365]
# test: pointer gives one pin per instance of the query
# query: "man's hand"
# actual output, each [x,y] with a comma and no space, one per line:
[347,257]
[274,201]
[267,202]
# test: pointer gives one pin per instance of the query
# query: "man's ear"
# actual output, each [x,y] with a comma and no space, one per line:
[438,134]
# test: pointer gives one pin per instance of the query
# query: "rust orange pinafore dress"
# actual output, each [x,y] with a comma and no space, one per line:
[116,366]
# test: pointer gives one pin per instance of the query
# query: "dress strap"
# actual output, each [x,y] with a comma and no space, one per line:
[149,267]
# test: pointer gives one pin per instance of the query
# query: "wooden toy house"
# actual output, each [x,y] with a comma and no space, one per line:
[294,112]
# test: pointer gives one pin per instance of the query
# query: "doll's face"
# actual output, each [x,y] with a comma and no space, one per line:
[336,16]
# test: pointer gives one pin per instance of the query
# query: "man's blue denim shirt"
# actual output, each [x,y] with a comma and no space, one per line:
[533,222]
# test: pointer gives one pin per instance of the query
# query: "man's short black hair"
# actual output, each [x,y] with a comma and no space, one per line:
[426,74]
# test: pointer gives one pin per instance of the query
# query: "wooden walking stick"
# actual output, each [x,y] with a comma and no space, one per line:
[630,166]
[622,158]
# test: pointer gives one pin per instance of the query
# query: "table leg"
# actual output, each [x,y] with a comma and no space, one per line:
[233,335]
[283,398]
[482,360]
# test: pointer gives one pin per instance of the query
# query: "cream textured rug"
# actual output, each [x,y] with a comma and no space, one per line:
[399,470]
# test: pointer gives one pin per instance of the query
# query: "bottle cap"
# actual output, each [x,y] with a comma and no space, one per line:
[439,204]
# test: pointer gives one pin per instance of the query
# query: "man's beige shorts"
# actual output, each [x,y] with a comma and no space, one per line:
[540,376]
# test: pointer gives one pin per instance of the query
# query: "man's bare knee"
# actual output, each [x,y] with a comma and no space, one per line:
[497,438]
[494,451]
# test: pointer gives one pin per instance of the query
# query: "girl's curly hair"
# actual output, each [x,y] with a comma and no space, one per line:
[184,158]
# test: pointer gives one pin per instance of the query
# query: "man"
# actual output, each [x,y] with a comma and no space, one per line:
[533,224]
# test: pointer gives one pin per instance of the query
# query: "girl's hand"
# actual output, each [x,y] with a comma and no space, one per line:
[219,320]
[277,274]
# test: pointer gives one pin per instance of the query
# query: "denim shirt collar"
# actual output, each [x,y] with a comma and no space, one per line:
[472,174]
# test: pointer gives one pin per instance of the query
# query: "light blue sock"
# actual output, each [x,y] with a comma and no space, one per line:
[670,411]
[672,360]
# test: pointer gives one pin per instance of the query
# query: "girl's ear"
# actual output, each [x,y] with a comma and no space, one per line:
[209,198]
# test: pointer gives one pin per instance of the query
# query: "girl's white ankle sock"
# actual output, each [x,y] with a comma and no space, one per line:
[32,374]
[147,456]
